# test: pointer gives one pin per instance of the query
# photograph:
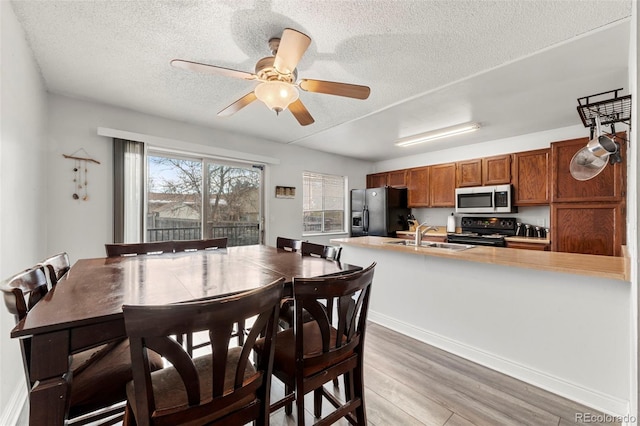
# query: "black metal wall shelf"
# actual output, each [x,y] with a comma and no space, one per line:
[610,107]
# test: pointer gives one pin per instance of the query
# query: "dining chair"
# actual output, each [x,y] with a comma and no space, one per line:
[219,388]
[313,353]
[314,250]
[55,267]
[320,250]
[288,244]
[98,375]
[132,249]
[204,244]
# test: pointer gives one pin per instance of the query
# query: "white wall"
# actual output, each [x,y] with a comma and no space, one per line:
[83,227]
[22,188]
[566,333]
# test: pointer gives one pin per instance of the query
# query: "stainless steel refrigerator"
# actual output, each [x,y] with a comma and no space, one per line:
[378,211]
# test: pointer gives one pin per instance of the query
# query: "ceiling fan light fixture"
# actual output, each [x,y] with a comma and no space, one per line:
[432,135]
[276,95]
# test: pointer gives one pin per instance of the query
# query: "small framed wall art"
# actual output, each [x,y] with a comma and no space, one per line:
[285,192]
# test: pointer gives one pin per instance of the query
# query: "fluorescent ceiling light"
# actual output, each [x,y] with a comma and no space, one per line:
[438,134]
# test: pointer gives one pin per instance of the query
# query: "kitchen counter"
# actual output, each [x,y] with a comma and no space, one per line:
[581,264]
[559,321]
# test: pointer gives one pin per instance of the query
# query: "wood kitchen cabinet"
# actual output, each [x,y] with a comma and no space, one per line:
[442,185]
[484,171]
[496,170]
[418,187]
[531,177]
[469,173]
[377,180]
[395,179]
[528,246]
[608,186]
[589,228]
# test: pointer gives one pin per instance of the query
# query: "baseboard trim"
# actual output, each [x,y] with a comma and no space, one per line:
[11,413]
[602,402]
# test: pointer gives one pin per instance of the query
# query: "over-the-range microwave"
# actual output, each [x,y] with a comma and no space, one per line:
[485,199]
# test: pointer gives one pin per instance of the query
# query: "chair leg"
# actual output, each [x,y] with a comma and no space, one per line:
[241,329]
[288,409]
[348,385]
[317,403]
[300,407]
[190,344]
[358,389]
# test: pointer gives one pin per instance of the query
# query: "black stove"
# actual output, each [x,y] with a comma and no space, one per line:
[484,231]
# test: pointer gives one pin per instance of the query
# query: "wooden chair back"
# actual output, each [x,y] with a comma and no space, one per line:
[319,250]
[132,249]
[56,266]
[206,244]
[350,294]
[21,292]
[327,346]
[222,387]
[288,244]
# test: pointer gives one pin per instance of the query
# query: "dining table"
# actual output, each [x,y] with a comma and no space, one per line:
[84,309]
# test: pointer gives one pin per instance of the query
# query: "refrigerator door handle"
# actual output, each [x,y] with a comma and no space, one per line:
[365,219]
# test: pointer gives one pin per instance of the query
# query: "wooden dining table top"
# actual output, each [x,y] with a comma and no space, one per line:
[94,290]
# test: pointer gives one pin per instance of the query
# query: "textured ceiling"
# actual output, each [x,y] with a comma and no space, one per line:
[514,66]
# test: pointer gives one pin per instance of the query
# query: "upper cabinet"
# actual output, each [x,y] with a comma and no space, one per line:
[531,177]
[418,187]
[496,170]
[377,180]
[608,186]
[469,173]
[442,185]
[484,171]
[396,179]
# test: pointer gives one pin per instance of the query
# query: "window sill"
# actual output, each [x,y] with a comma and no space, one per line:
[321,234]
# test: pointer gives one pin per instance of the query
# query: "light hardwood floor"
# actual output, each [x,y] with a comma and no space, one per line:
[411,383]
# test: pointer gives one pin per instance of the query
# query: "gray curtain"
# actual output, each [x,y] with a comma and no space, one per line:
[128,191]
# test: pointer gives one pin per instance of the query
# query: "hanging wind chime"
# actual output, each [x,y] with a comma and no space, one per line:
[80,179]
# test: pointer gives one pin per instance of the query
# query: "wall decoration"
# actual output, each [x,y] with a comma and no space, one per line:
[285,192]
[80,170]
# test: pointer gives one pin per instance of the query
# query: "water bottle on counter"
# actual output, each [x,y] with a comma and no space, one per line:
[451,224]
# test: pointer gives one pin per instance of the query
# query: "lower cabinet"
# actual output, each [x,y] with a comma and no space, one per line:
[589,228]
[528,246]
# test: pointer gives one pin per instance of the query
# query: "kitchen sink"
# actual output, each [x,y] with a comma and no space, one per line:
[432,244]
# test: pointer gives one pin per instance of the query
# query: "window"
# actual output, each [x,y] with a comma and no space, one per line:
[323,199]
[182,190]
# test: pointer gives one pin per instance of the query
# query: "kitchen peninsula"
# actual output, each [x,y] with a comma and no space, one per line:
[556,320]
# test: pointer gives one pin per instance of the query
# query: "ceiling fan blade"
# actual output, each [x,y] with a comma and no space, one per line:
[333,88]
[301,113]
[293,44]
[211,69]
[238,105]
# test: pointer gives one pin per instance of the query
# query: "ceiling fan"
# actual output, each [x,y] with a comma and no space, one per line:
[277,75]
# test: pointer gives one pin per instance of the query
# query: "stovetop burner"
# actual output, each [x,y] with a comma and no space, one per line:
[488,231]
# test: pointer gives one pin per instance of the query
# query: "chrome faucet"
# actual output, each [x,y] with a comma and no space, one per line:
[420,232]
